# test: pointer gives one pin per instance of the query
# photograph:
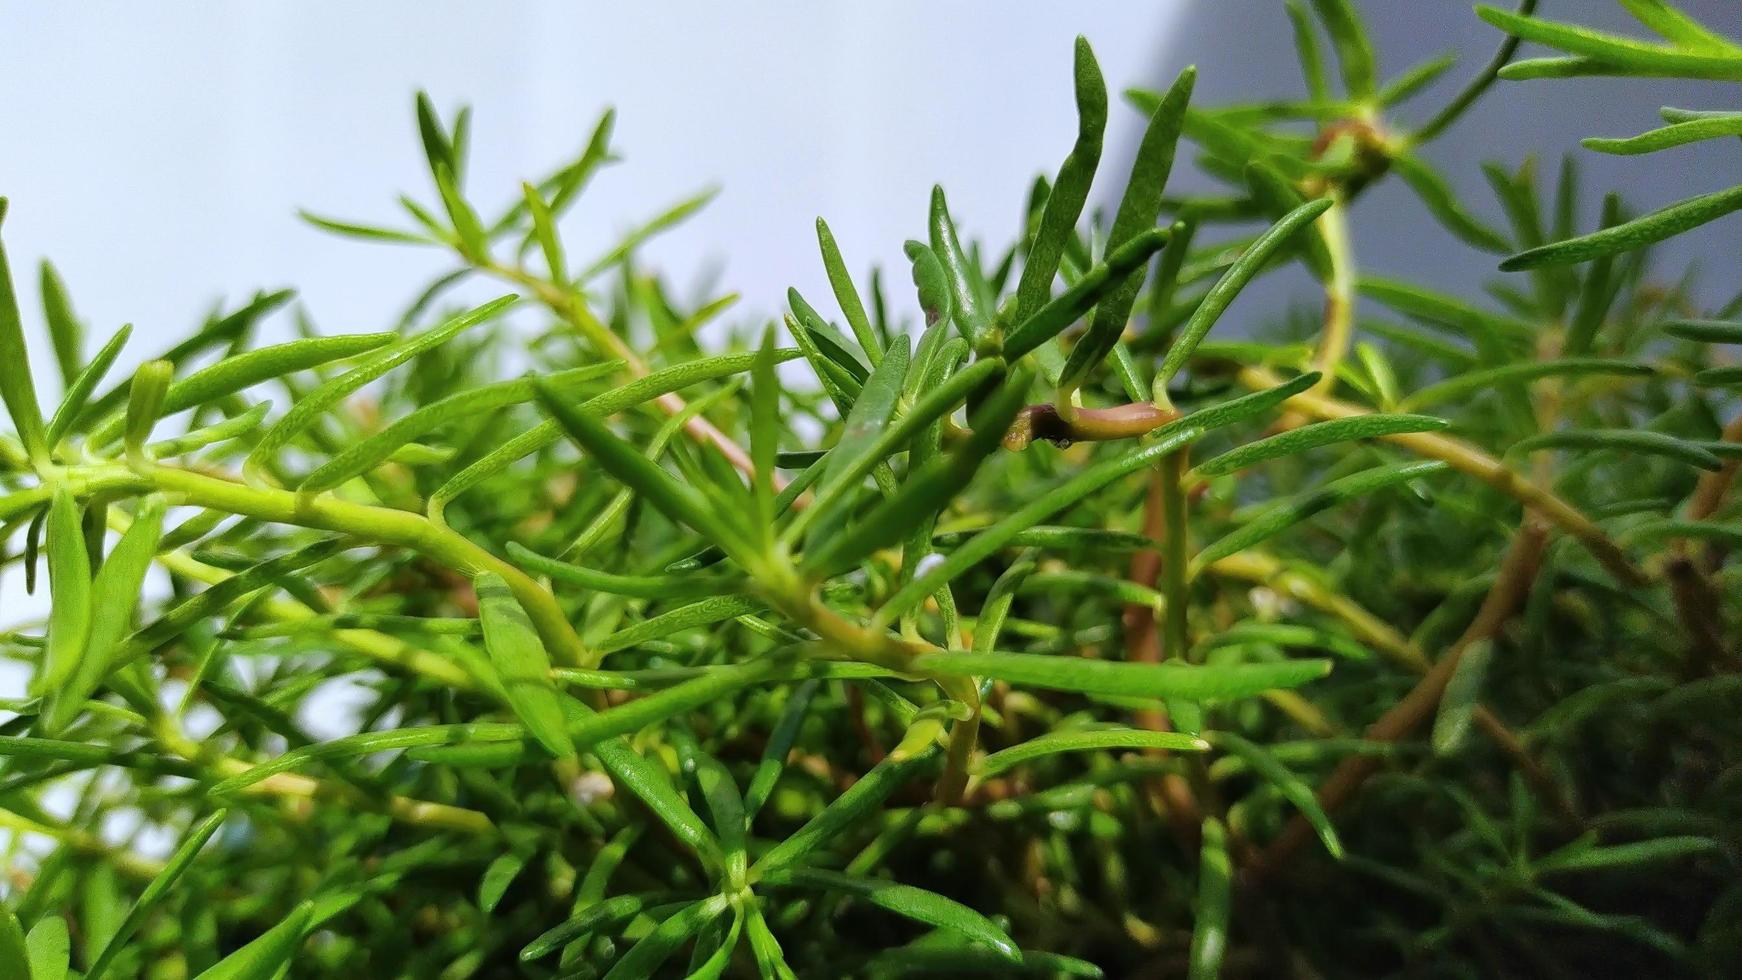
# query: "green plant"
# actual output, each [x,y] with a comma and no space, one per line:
[1024,664]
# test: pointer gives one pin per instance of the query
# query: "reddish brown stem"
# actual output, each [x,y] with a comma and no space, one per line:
[1517,571]
[1143,645]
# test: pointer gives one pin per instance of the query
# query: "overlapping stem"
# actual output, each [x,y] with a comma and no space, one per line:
[1517,571]
[1473,461]
[571,306]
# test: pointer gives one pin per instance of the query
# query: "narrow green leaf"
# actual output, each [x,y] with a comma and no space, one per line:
[1414,80]
[1446,311]
[770,960]
[716,609]
[520,659]
[319,401]
[1276,194]
[1654,227]
[1441,202]
[544,229]
[154,892]
[1583,856]
[497,877]
[1715,377]
[1705,331]
[1469,383]
[846,294]
[69,579]
[1168,439]
[366,743]
[970,315]
[79,389]
[1086,741]
[780,740]
[144,403]
[632,716]
[1597,292]
[1287,635]
[927,491]
[664,221]
[680,502]
[1306,52]
[1247,266]
[221,596]
[351,229]
[474,244]
[548,432]
[268,953]
[17,388]
[193,440]
[1292,787]
[1623,54]
[600,915]
[904,900]
[65,331]
[1316,435]
[218,331]
[861,434]
[931,284]
[1070,305]
[14,958]
[1717,531]
[846,811]
[645,957]
[1679,134]
[1137,213]
[1210,909]
[1630,441]
[1675,26]
[677,585]
[1283,514]
[765,429]
[1070,191]
[436,149]
[50,948]
[1187,682]
[114,596]
[1462,694]
[1354,49]
[100,910]
[368,453]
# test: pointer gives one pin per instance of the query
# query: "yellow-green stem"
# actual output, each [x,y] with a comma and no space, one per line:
[1339,320]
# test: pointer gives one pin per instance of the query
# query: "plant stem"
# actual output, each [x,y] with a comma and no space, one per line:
[1470,460]
[1473,91]
[572,307]
[1517,571]
[377,646]
[381,525]
[1339,317]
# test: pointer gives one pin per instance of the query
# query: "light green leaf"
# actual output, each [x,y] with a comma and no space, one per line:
[154,892]
[1210,909]
[1316,435]
[1187,682]
[1283,514]
[319,401]
[1085,741]
[905,900]
[522,663]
